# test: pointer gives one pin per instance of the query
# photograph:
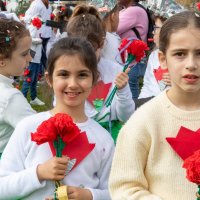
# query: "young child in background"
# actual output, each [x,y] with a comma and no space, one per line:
[144,165]
[86,23]
[156,79]
[35,169]
[151,85]
[15,43]
[31,73]
[112,40]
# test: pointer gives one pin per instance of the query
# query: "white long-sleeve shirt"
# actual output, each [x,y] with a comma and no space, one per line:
[122,106]
[36,43]
[18,177]
[150,85]
[13,108]
[37,8]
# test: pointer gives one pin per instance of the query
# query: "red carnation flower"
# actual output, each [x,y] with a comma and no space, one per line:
[62,8]
[124,42]
[28,80]
[192,166]
[137,48]
[198,6]
[45,132]
[52,16]
[36,22]
[61,125]
[26,72]
[66,128]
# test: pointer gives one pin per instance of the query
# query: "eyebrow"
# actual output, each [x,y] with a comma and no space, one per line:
[175,50]
[81,71]
[25,51]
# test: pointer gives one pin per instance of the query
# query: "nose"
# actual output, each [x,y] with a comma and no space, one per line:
[191,63]
[72,82]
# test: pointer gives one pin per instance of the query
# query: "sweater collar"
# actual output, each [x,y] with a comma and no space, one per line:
[177,112]
[6,80]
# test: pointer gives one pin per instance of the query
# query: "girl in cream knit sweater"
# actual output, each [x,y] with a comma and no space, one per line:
[145,167]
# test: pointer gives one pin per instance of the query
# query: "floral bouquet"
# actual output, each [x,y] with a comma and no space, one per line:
[192,166]
[136,51]
[63,137]
[191,156]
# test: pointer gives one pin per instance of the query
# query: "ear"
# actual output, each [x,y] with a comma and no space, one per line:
[2,62]
[162,60]
[48,79]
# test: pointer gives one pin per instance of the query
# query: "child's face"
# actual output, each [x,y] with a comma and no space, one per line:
[20,58]
[72,82]
[183,60]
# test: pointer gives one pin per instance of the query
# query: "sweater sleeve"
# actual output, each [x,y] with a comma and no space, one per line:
[16,181]
[103,173]
[127,178]
[125,106]
[17,108]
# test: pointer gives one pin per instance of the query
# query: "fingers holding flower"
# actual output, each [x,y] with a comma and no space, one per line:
[53,169]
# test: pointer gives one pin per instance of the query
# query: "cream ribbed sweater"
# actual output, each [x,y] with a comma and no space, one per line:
[145,167]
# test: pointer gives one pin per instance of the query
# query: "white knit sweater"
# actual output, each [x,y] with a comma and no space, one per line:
[145,167]
[18,177]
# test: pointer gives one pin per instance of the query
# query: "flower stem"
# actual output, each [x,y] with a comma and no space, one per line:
[59,146]
[112,94]
[198,193]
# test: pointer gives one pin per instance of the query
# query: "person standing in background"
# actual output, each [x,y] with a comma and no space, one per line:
[133,16]
[41,8]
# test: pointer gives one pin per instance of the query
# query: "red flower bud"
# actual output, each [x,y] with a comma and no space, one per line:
[28,80]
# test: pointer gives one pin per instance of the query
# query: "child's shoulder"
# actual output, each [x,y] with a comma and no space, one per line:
[96,132]
[155,105]
[33,121]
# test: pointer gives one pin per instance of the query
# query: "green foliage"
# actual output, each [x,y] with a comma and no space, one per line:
[22,7]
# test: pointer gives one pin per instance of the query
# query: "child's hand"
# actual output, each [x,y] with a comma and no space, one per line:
[166,79]
[53,169]
[121,79]
[76,193]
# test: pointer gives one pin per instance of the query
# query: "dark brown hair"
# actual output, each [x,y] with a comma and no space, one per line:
[86,22]
[177,22]
[10,33]
[73,46]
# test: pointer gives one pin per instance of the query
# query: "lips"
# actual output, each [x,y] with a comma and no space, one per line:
[191,78]
[72,94]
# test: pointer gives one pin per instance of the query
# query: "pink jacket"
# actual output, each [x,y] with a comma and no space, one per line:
[130,17]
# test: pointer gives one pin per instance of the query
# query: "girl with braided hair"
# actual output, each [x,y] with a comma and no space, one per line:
[15,43]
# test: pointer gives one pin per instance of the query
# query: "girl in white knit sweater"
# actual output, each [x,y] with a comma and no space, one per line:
[145,167]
